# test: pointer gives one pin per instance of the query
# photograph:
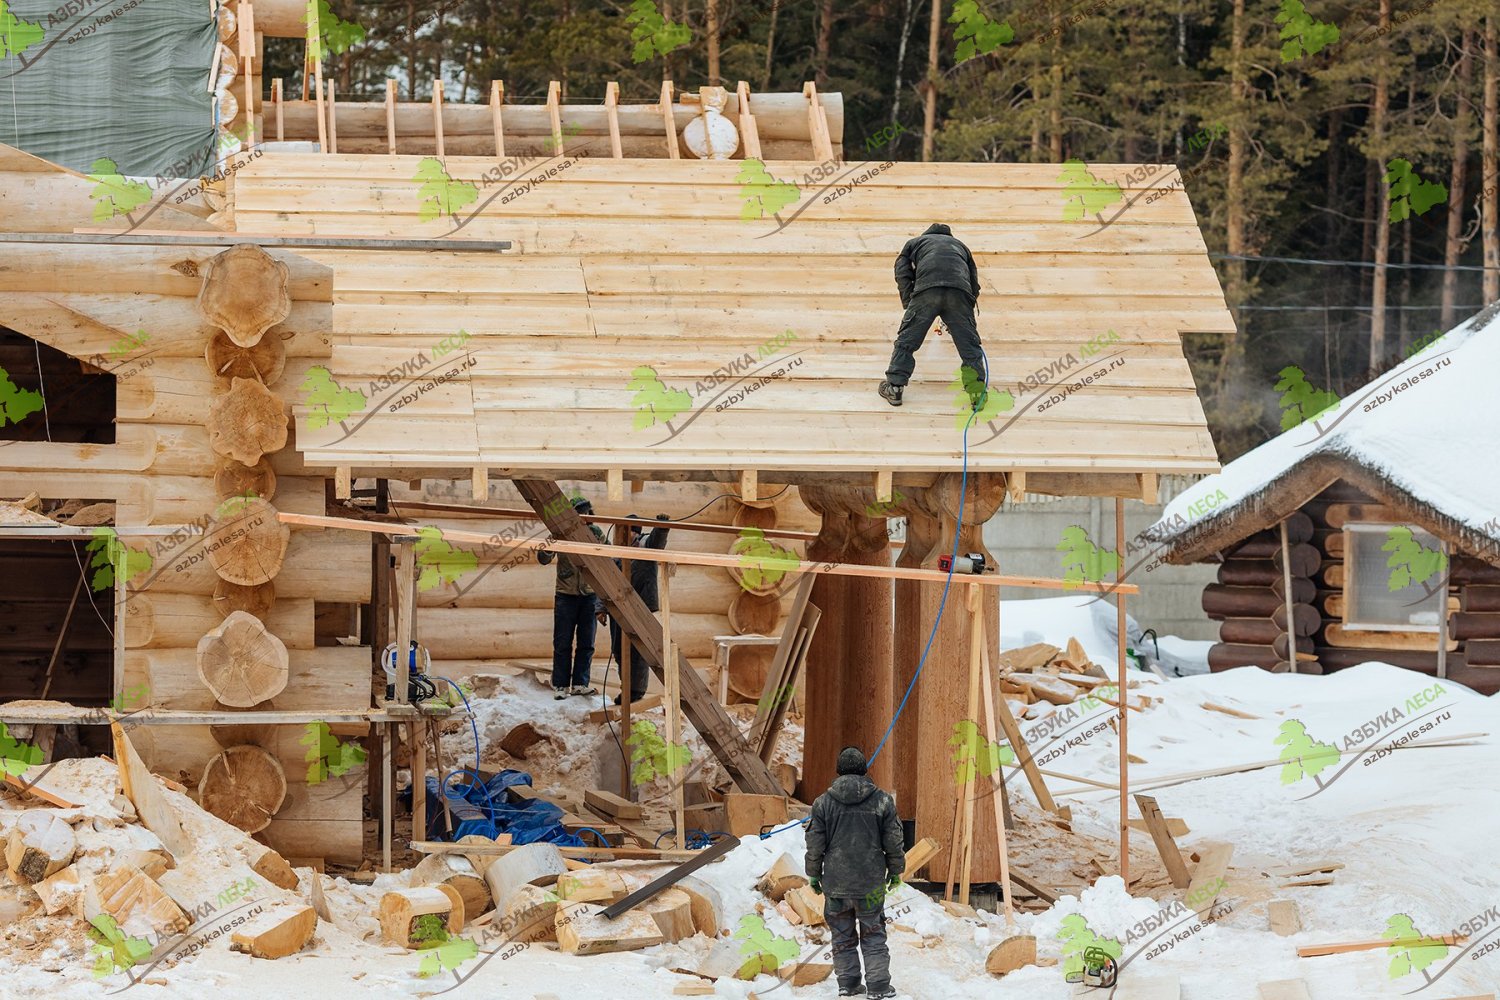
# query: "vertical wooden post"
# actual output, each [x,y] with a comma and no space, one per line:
[405,580]
[497,98]
[1286,581]
[1442,657]
[437,114]
[999,796]
[390,116]
[246,27]
[417,731]
[277,97]
[122,608]
[387,795]
[1124,694]
[554,115]
[333,120]
[976,647]
[627,787]
[612,114]
[749,133]
[668,121]
[674,694]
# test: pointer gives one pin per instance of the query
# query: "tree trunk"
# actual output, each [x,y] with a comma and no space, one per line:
[929,115]
[1234,200]
[900,64]
[1491,158]
[1055,103]
[823,44]
[765,81]
[711,26]
[1333,188]
[1452,244]
[1378,110]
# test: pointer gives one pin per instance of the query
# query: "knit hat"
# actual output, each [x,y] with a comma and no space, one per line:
[582,505]
[851,761]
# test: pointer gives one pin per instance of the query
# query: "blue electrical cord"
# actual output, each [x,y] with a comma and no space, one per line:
[478,778]
[952,564]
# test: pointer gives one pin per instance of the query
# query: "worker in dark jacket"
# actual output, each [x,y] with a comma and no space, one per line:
[936,277]
[854,859]
[574,606]
[643,577]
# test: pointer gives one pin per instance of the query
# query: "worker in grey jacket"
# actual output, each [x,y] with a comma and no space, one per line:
[936,277]
[854,859]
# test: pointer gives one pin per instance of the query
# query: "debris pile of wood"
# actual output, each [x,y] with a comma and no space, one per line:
[139,866]
[1042,672]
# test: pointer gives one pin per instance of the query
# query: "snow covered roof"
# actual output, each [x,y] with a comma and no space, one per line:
[1417,438]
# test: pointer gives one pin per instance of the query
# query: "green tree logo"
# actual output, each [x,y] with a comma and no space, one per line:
[766,951]
[16,35]
[439,560]
[441,195]
[1410,193]
[764,195]
[331,35]
[651,756]
[654,402]
[974,756]
[327,756]
[1077,937]
[976,34]
[653,33]
[1300,401]
[16,755]
[763,561]
[109,553]
[1304,756]
[1083,561]
[1410,950]
[113,950]
[1300,33]
[113,193]
[429,933]
[327,401]
[1410,561]
[968,388]
[1084,193]
[16,404]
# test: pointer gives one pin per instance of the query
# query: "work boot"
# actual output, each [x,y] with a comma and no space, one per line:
[558,694]
[857,990]
[883,993]
[582,689]
[891,393]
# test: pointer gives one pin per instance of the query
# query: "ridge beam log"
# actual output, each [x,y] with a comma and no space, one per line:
[713,723]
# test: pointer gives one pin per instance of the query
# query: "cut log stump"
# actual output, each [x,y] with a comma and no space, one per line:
[582,930]
[245,542]
[232,597]
[807,904]
[247,422]
[271,866]
[244,786]
[241,663]
[672,910]
[533,864]
[530,915]
[591,885]
[457,871]
[245,293]
[40,845]
[520,739]
[783,877]
[402,910]
[284,929]
[264,361]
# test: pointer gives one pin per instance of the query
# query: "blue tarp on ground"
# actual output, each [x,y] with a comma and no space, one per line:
[495,806]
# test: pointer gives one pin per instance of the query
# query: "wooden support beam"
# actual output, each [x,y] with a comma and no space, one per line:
[405,610]
[749,133]
[615,484]
[343,483]
[480,482]
[684,557]
[278,98]
[497,98]
[437,114]
[673,682]
[1025,760]
[416,731]
[498,850]
[669,123]
[1156,825]
[314,31]
[817,123]
[1150,487]
[554,115]
[714,725]
[62,637]
[246,27]
[883,486]
[748,485]
[333,120]
[1286,582]
[390,116]
[1124,690]
[1374,944]
[999,797]
[612,114]
[387,796]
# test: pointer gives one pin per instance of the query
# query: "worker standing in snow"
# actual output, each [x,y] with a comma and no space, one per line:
[574,607]
[936,277]
[643,577]
[854,859]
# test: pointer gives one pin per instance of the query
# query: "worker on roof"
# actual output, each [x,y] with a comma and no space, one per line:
[854,859]
[936,277]
[574,608]
[643,577]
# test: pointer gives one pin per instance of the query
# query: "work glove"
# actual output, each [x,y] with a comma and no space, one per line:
[817,885]
[662,517]
[891,883]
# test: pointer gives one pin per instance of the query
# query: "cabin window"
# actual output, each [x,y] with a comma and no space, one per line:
[46,395]
[1395,578]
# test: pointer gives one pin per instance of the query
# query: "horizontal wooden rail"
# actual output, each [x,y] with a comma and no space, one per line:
[510,514]
[725,560]
[163,237]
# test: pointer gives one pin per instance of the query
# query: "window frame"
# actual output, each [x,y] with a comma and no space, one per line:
[1351,577]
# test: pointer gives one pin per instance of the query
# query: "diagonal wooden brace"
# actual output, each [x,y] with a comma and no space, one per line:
[749,772]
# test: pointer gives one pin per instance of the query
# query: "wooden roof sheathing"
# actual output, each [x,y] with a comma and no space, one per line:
[619,266]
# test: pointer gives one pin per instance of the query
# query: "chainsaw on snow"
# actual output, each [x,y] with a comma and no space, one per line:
[1099,968]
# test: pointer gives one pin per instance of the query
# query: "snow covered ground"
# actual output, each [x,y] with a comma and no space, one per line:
[1411,829]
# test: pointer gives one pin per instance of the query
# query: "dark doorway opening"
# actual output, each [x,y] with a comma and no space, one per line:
[46,395]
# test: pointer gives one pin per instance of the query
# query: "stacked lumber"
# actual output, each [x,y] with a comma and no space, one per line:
[1250,601]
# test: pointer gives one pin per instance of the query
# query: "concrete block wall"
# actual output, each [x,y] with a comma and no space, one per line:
[1024,537]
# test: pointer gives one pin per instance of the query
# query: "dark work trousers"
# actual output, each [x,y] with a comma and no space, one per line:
[857,929]
[957,310]
[572,615]
[639,672]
